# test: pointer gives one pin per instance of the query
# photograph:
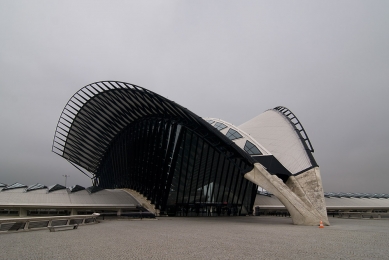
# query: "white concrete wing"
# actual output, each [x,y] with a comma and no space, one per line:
[296,181]
[274,131]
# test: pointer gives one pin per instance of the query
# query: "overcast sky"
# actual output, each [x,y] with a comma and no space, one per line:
[326,61]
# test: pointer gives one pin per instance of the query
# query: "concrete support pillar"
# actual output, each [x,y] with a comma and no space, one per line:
[119,212]
[301,207]
[73,212]
[22,212]
[308,187]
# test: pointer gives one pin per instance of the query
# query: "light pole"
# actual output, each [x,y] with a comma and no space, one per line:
[66,178]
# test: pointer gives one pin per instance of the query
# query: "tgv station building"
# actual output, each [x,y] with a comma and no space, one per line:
[126,137]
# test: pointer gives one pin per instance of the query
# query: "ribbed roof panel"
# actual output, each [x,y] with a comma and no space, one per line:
[35,187]
[275,131]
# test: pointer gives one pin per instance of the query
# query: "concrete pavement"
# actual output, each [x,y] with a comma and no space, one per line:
[204,238]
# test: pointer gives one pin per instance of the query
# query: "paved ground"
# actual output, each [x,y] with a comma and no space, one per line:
[204,238]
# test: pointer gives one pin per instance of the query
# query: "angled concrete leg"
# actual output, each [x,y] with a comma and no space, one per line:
[301,205]
[308,187]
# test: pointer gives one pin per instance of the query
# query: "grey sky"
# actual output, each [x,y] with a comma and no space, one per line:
[327,61]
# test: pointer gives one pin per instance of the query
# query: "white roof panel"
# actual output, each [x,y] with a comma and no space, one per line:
[275,132]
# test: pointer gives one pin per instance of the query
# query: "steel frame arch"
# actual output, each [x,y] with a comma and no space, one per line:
[101,111]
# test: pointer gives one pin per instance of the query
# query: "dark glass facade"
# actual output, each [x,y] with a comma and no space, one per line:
[178,170]
[129,137]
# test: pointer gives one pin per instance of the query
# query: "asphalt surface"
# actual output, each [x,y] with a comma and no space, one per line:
[204,238]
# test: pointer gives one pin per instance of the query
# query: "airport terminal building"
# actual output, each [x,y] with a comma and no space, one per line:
[125,136]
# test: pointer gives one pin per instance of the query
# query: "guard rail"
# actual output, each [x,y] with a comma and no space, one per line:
[36,223]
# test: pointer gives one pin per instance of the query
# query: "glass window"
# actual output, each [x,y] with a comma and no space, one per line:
[250,148]
[210,121]
[232,134]
[220,126]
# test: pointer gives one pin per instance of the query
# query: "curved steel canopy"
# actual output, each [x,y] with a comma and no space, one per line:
[298,127]
[100,111]
[126,136]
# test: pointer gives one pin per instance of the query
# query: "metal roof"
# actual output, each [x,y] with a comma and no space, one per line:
[76,188]
[63,198]
[16,185]
[35,187]
[56,187]
[97,113]
[93,189]
[356,195]
[332,203]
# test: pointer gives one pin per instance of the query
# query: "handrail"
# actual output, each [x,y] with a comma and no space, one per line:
[35,223]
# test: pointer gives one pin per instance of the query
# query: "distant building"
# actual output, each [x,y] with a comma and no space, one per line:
[349,205]
[38,200]
[41,200]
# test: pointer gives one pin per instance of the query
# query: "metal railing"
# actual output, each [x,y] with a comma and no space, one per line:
[36,223]
[367,215]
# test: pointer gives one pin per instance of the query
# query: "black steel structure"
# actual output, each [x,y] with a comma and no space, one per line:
[125,136]
[298,127]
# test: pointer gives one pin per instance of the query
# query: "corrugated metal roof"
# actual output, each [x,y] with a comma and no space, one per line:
[332,203]
[16,185]
[35,187]
[356,195]
[56,187]
[63,198]
[76,188]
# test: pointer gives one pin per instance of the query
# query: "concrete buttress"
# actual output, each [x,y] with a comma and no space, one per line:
[302,195]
